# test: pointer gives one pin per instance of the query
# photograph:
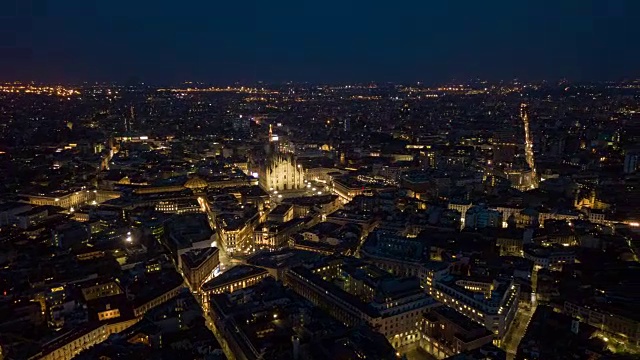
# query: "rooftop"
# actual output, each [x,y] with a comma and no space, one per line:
[235,273]
[194,258]
[281,209]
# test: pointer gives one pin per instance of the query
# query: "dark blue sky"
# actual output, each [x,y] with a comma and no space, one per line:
[223,41]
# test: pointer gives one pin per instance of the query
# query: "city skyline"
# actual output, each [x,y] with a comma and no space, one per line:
[300,180]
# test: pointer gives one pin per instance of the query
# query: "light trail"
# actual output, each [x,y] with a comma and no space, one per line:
[528,145]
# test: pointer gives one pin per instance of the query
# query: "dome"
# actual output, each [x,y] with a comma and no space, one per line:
[195,183]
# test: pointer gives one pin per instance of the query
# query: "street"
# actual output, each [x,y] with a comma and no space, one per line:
[516,331]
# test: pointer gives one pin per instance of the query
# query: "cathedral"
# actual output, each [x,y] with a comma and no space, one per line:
[279,170]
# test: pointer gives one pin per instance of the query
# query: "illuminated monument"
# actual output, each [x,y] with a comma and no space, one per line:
[279,171]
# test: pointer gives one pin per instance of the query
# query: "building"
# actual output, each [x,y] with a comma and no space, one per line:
[445,332]
[179,206]
[99,288]
[625,328]
[322,174]
[329,238]
[504,152]
[549,257]
[281,213]
[631,162]
[268,321]
[460,206]
[280,171]
[187,232]
[478,217]
[278,262]
[520,178]
[403,256]
[71,343]
[66,199]
[552,335]
[273,236]
[314,205]
[511,241]
[358,293]
[160,289]
[8,212]
[198,265]
[236,232]
[490,302]
[32,217]
[347,188]
[237,278]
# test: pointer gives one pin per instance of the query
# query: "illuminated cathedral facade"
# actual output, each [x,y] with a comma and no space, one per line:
[279,171]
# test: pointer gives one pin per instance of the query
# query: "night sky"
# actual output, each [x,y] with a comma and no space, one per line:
[322,41]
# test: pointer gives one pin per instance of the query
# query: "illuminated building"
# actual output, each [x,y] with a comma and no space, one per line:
[348,188]
[490,302]
[521,179]
[198,265]
[179,206]
[280,171]
[236,232]
[590,199]
[95,289]
[355,292]
[275,235]
[236,278]
[481,217]
[163,291]
[621,326]
[196,184]
[404,256]
[445,332]
[549,257]
[281,213]
[62,198]
[71,343]
[461,207]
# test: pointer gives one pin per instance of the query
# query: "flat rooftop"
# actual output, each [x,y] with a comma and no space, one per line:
[235,273]
[196,257]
